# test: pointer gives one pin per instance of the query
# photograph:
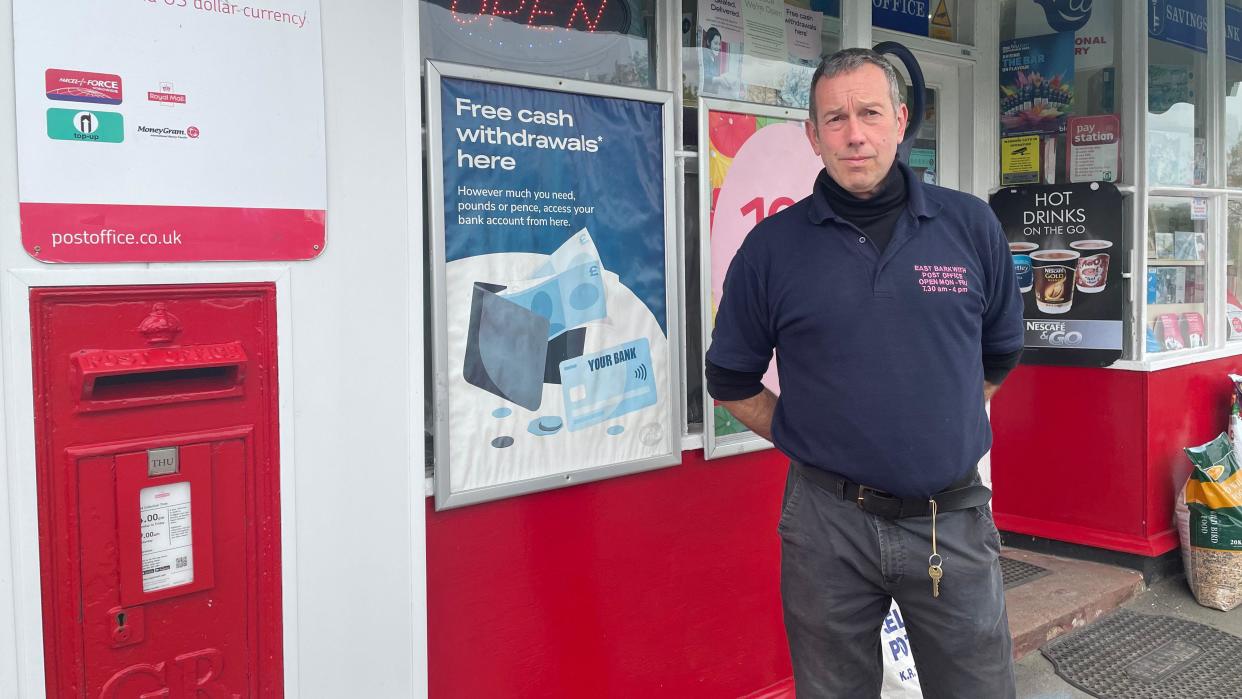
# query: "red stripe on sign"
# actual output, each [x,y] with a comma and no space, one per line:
[129,233]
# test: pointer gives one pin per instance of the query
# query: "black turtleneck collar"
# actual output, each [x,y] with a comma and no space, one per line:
[875,216]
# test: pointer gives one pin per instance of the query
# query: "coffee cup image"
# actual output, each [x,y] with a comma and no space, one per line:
[1054,272]
[1022,264]
[1091,275]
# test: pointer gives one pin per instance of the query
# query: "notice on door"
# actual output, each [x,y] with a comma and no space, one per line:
[167,549]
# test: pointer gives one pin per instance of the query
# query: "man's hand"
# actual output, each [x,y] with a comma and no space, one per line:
[755,412]
[989,390]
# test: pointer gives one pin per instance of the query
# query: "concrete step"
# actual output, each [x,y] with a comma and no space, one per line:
[1072,594]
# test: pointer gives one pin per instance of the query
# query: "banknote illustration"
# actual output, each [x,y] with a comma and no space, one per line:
[579,249]
[568,299]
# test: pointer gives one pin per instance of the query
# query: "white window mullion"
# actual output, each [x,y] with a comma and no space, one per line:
[1132,76]
[856,24]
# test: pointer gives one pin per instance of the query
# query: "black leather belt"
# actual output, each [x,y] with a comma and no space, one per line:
[960,496]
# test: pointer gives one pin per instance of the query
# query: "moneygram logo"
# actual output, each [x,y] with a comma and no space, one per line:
[168,132]
[92,126]
[80,86]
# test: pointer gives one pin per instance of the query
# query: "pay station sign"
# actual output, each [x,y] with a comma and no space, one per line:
[170,131]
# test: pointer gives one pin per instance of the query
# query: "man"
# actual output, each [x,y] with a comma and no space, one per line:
[894,313]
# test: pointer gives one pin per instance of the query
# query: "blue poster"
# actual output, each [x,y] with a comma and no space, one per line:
[1233,33]
[910,16]
[1036,83]
[1181,22]
[556,287]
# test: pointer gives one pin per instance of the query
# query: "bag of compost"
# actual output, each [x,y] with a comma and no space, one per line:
[1213,496]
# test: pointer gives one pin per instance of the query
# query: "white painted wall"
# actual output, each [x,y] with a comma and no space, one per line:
[350,345]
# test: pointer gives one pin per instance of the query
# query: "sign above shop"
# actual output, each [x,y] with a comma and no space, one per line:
[1233,33]
[169,131]
[1064,240]
[910,16]
[1181,22]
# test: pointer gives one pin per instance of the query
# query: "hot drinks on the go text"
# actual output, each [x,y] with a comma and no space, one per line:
[1054,272]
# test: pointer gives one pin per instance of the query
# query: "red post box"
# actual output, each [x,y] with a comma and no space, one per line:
[159,498]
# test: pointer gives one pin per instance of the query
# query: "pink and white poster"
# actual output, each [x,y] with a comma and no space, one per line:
[170,130]
[758,165]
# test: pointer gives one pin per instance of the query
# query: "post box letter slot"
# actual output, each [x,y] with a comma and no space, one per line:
[114,379]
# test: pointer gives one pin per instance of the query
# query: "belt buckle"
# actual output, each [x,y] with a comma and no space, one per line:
[862,495]
[878,499]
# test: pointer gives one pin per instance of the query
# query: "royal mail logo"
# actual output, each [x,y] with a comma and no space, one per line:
[166,97]
[80,86]
[167,94]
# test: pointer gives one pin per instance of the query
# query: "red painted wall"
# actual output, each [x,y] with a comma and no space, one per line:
[1094,456]
[659,584]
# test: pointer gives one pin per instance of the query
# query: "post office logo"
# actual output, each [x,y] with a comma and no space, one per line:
[81,86]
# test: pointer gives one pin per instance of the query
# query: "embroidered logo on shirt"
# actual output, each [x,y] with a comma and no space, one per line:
[942,279]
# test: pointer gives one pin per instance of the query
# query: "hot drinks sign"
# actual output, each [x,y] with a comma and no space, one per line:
[1065,242]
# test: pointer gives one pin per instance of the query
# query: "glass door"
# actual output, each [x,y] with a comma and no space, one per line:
[943,139]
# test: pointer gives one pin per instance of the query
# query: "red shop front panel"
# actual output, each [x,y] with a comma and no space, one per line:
[158,491]
[1094,456]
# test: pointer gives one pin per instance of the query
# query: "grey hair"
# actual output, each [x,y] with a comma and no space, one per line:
[850,60]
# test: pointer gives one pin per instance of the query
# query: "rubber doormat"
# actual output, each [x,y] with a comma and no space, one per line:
[1016,572]
[1140,656]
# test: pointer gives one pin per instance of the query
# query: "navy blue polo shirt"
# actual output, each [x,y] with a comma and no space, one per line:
[879,354]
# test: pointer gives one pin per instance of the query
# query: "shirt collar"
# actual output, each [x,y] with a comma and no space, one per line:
[916,198]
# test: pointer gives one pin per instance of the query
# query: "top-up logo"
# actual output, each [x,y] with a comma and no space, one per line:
[73,125]
[1066,15]
[80,86]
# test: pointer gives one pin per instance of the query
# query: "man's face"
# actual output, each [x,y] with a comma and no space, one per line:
[857,130]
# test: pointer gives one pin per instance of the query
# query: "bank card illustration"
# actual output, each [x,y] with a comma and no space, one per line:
[608,384]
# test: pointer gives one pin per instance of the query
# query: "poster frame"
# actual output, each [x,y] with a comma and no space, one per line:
[445,498]
[715,447]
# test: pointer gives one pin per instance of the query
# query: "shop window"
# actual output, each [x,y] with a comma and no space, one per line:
[1176,96]
[731,53]
[1233,273]
[1233,94]
[947,20]
[1177,274]
[725,58]
[609,41]
[1058,81]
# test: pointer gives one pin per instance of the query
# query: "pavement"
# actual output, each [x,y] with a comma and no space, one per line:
[1171,597]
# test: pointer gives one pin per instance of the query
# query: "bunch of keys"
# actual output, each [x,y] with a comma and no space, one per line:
[934,571]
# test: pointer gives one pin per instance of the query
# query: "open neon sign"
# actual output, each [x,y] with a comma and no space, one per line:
[579,15]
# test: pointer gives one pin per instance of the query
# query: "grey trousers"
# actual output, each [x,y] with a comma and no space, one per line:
[840,566]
